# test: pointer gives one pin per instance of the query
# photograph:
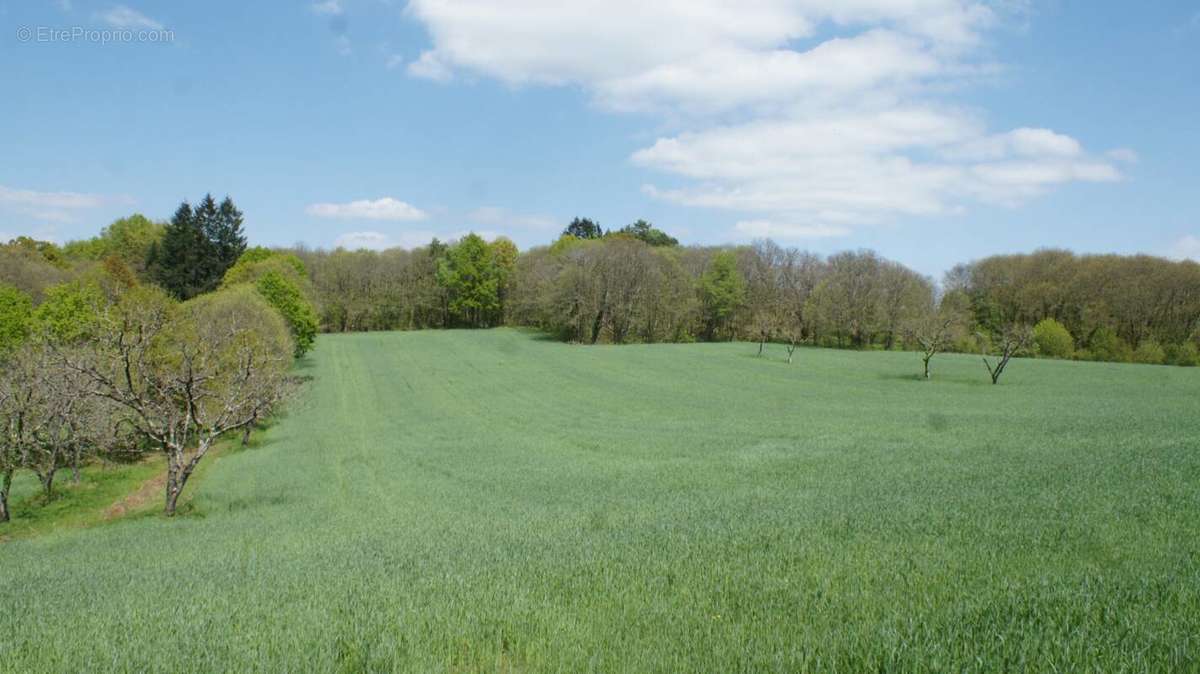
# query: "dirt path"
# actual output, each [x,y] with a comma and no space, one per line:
[148,491]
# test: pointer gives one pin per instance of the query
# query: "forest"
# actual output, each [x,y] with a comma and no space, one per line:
[639,285]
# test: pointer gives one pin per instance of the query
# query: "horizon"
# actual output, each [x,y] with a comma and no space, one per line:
[934,134]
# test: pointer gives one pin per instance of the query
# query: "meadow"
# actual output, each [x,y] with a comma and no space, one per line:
[492,500]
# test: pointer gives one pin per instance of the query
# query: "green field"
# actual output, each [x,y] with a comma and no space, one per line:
[494,501]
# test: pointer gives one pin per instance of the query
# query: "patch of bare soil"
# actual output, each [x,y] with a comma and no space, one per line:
[148,491]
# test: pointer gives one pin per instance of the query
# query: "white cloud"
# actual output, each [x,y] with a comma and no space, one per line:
[1024,142]
[122,16]
[501,217]
[328,7]
[52,200]
[429,67]
[385,208]
[54,206]
[760,229]
[802,111]
[1186,248]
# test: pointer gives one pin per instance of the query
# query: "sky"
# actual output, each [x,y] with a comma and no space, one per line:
[932,131]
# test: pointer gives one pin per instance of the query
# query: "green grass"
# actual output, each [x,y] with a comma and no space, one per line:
[85,504]
[492,501]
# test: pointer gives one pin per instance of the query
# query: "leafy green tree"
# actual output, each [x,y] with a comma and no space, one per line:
[1149,352]
[16,318]
[46,250]
[285,297]
[71,311]
[129,239]
[282,279]
[188,374]
[1186,354]
[1053,339]
[644,231]
[583,228]
[470,274]
[1106,345]
[197,248]
[723,291]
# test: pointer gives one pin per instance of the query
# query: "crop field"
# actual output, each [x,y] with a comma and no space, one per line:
[494,501]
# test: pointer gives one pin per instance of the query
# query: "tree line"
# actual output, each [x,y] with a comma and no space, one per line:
[592,286]
[637,284]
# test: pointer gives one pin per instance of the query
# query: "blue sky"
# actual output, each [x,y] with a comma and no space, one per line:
[934,131]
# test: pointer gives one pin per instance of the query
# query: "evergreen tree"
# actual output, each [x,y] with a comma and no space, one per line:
[644,231]
[198,246]
[583,228]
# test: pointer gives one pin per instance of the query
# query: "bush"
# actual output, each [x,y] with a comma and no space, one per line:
[972,343]
[281,279]
[1185,355]
[286,298]
[1149,352]
[1053,339]
[1106,345]
[16,314]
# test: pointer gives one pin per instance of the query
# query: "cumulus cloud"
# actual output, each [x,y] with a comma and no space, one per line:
[124,17]
[385,208]
[795,111]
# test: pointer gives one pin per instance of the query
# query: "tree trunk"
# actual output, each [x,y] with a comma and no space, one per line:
[5,485]
[926,359]
[47,481]
[762,339]
[178,472]
[596,325]
[173,484]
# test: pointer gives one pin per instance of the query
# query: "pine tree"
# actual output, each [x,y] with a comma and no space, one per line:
[198,246]
[227,235]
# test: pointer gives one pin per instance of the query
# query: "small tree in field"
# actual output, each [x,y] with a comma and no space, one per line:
[189,373]
[1014,338]
[937,327]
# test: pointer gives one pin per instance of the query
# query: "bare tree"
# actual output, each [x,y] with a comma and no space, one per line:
[191,373]
[937,327]
[1014,338]
[763,263]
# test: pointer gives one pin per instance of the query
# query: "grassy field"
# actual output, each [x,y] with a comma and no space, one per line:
[492,501]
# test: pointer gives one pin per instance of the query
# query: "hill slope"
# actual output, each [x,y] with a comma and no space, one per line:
[459,501]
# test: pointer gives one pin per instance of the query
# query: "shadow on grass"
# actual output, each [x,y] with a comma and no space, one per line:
[917,378]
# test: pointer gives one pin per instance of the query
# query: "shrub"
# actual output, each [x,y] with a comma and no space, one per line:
[16,314]
[282,294]
[1053,339]
[1186,354]
[1149,352]
[1108,346]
